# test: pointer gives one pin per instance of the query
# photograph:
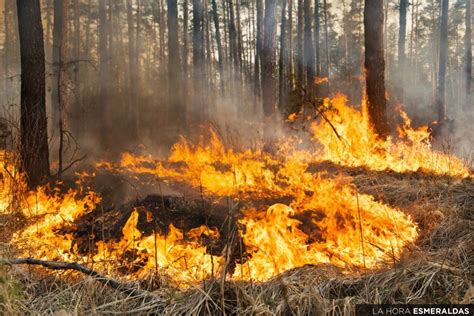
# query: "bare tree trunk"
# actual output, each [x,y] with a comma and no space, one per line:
[289,56]
[468,48]
[176,110]
[63,80]
[220,53]
[34,152]
[132,68]
[198,56]
[282,57]
[185,38]
[317,38]
[102,104]
[443,51]
[308,46]
[268,59]
[259,49]
[375,66]
[328,53]
[299,45]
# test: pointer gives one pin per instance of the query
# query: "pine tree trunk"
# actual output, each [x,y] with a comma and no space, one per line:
[317,39]
[289,56]
[375,66]
[34,152]
[443,51]
[268,59]
[220,53]
[308,46]
[326,35]
[299,45]
[198,57]
[259,49]
[176,107]
[101,105]
[468,48]
[63,80]
[282,57]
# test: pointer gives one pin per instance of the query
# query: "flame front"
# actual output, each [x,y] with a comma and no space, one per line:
[325,221]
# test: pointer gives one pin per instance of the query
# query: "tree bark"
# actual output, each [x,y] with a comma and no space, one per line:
[282,57]
[299,45]
[317,39]
[215,17]
[402,33]
[443,51]
[259,48]
[375,66]
[34,152]
[176,110]
[308,46]
[268,59]
[468,48]
[198,57]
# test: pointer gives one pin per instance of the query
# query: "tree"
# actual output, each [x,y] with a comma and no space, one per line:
[299,45]
[308,45]
[402,32]
[317,39]
[259,48]
[281,61]
[220,52]
[176,109]
[468,47]
[34,152]
[268,59]
[198,56]
[375,66]
[443,51]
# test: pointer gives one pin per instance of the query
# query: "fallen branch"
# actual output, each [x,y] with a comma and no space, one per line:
[58,265]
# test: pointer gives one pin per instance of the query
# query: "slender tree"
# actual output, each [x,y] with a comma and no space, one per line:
[215,17]
[259,48]
[34,151]
[198,56]
[176,108]
[375,66]
[308,45]
[468,47]
[299,45]
[317,39]
[443,51]
[282,58]
[402,32]
[268,59]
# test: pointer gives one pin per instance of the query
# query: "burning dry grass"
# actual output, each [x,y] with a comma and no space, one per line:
[437,269]
[352,222]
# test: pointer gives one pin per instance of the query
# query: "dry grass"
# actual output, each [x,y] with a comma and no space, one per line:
[437,269]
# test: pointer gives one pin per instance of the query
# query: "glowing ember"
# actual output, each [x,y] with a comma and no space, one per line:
[325,221]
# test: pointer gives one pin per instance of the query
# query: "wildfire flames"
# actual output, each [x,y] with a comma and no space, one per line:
[325,218]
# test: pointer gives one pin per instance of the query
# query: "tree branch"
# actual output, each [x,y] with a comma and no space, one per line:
[58,265]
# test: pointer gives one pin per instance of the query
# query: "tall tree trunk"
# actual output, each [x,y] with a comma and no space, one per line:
[185,38]
[402,32]
[299,45]
[34,152]
[176,111]
[132,68]
[259,48]
[198,56]
[443,51]
[215,17]
[57,37]
[308,46]
[468,48]
[268,59]
[289,56]
[375,66]
[317,38]
[233,37]
[102,103]
[326,35]
[63,81]
[282,57]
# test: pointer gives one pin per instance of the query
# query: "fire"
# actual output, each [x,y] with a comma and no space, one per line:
[324,220]
[356,145]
